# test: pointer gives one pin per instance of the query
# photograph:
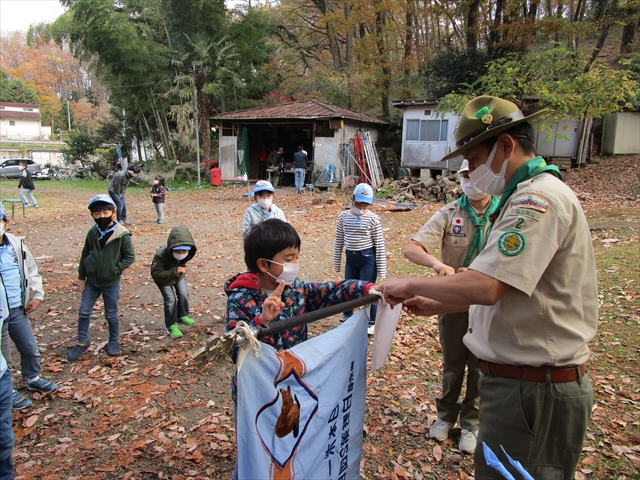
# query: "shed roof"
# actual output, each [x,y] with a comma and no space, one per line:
[411,103]
[18,114]
[11,104]
[301,110]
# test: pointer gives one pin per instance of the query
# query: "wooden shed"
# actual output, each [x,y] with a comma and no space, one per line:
[322,130]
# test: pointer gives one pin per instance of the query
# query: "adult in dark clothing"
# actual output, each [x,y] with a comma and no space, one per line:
[116,189]
[26,185]
[300,163]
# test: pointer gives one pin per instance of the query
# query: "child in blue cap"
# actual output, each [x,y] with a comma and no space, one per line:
[168,271]
[359,233]
[107,252]
[262,209]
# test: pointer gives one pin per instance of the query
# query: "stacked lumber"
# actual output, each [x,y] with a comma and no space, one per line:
[438,190]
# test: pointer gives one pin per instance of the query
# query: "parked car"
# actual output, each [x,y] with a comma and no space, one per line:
[9,167]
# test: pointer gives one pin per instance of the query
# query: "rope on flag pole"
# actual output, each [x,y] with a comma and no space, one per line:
[220,344]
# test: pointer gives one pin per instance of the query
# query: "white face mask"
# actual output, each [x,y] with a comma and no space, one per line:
[265,203]
[485,180]
[470,189]
[180,256]
[357,211]
[2,230]
[289,272]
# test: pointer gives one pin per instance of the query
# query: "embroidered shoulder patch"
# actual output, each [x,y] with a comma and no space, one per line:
[531,201]
[511,243]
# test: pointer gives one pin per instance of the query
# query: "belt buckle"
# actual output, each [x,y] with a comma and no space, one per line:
[521,372]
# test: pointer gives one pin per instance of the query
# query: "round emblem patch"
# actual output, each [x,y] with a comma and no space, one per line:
[457,229]
[487,119]
[511,243]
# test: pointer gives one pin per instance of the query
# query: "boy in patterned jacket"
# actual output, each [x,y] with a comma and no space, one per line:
[271,292]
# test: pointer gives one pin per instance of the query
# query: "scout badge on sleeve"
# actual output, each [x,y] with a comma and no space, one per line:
[511,243]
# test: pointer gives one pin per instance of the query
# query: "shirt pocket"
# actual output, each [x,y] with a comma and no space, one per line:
[456,241]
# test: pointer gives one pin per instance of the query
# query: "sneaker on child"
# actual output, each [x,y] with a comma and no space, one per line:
[174,331]
[440,430]
[187,321]
[78,350]
[113,349]
[41,385]
[468,440]
[20,401]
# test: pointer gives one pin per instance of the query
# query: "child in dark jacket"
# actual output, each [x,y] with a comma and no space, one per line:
[26,186]
[157,197]
[108,251]
[168,270]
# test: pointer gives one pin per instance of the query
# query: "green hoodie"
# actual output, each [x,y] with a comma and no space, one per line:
[164,268]
[104,266]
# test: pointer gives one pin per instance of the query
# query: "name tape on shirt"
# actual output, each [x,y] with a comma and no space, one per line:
[531,201]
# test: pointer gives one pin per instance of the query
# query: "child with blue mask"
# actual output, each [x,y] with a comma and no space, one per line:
[263,208]
[359,234]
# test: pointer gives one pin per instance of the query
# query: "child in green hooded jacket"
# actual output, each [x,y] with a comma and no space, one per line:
[168,271]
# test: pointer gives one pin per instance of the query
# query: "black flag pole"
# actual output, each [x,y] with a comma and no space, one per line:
[219,345]
[316,315]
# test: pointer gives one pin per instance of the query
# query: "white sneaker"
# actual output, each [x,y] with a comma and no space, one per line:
[371,329]
[440,430]
[468,440]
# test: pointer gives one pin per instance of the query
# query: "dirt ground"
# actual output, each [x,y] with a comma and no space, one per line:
[152,413]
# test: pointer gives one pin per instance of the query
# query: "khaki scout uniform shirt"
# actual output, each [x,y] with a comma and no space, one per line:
[540,245]
[451,227]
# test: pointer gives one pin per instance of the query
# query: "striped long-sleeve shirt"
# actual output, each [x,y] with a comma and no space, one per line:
[356,233]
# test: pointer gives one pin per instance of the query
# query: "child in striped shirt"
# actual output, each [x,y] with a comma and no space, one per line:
[359,233]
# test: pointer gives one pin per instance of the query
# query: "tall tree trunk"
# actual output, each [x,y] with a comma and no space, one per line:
[494,32]
[408,43]
[472,28]
[630,19]
[609,9]
[384,64]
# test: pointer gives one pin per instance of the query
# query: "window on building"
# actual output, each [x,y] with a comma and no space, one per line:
[413,130]
[12,123]
[427,130]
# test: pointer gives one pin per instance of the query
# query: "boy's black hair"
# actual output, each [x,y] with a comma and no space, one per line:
[22,162]
[98,205]
[160,179]
[266,240]
[523,133]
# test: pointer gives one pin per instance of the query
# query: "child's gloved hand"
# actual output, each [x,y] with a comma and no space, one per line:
[272,305]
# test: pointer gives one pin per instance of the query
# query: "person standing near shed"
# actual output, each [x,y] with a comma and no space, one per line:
[532,294]
[300,164]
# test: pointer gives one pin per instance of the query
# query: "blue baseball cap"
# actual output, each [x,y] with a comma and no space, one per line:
[263,186]
[101,198]
[182,247]
[363,193]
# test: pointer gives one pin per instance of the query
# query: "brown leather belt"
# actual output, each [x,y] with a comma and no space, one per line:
[533,374]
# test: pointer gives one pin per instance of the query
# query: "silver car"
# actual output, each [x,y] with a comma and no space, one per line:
[9,167]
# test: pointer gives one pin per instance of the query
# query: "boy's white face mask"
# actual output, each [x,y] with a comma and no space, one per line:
[180,256]
[289,272]
[265,203]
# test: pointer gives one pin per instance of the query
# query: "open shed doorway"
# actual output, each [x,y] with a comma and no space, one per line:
[266,138]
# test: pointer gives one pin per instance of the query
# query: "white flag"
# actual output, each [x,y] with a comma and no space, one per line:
[300,412]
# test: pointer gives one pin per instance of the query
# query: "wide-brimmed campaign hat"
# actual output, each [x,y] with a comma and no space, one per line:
[485,117]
